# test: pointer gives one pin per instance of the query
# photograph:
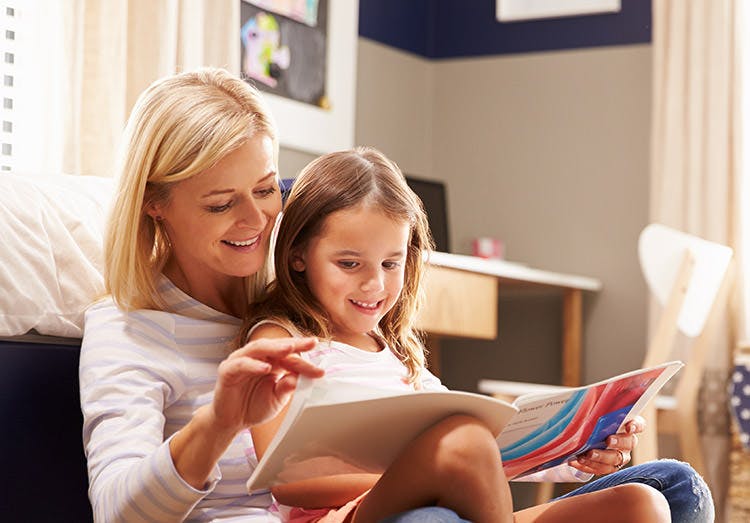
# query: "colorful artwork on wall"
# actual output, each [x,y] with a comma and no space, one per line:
[302,53]
[283,55]
[305,11]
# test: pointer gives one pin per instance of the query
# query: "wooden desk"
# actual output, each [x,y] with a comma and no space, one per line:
[462,300]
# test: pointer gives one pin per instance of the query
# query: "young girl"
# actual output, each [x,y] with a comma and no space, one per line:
[349,265]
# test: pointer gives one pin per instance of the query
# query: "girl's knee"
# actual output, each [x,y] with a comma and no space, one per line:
[639,502]
[464,445]
[467,437]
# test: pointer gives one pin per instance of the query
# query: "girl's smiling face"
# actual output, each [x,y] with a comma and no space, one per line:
[355,269]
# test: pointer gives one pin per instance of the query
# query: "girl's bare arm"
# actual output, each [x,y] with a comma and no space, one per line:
[325,491]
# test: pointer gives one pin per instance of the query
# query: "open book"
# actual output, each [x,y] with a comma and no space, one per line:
[324,434]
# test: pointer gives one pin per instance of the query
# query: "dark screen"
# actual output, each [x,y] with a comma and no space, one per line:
[432,194]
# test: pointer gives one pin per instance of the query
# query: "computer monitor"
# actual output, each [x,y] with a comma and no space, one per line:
[433,196]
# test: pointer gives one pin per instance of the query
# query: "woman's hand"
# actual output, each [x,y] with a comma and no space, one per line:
[253,384]
[256,381]
[617,453]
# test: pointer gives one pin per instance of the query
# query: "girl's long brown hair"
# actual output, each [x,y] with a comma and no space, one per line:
[342,180]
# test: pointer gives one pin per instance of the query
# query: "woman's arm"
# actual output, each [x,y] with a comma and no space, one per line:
[129,373]
[325,491]
[126,380]
[253,385]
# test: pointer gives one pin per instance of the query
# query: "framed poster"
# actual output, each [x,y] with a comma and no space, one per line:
[303,55]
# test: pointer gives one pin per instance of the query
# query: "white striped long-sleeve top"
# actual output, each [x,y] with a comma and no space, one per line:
[143,374]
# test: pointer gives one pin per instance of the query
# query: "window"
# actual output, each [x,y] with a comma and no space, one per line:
[8,23]
[36,67]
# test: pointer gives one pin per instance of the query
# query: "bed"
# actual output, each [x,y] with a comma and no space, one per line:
[51,268]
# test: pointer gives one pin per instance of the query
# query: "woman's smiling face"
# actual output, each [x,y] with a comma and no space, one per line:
[219,222]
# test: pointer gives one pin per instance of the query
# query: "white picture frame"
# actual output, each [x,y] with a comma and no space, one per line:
[319,131]
[517,10]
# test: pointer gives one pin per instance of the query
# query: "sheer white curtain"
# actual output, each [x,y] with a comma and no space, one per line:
[44,36]
[86,62]
[697,175]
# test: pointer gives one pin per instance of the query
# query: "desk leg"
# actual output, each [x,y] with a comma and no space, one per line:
[571,335]
[432,343]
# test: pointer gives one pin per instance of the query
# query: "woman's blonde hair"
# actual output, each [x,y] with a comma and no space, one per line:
[180,126]
[331,183]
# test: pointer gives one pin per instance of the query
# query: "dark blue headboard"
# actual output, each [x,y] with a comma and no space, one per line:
[40,439]
[285,185]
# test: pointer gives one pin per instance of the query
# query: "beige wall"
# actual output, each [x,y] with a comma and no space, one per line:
[291,161]
[547,151]
[394,107]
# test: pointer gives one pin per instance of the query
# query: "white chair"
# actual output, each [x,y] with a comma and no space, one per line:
[690,278]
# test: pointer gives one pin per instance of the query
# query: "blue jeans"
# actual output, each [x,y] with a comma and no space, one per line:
[425,515]
[688,496]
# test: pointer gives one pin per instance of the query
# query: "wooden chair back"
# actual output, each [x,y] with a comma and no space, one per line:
[690,277]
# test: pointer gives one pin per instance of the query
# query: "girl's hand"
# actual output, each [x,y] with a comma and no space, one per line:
[617,453]
[256,381]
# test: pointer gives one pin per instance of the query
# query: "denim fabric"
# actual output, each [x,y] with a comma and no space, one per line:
[425,515]
[688,496]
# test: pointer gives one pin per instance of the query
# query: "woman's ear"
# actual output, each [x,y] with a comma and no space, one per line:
[297,262]
[154,208]
[155,202]
[155,211]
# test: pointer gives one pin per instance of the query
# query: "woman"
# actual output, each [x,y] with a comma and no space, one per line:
[166,402]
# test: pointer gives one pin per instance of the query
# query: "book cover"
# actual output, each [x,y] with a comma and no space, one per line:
[325,434]
[552,428]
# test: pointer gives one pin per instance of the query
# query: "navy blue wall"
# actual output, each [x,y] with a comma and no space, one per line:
[462,28]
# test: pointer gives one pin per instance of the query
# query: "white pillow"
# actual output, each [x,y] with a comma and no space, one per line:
[51,266]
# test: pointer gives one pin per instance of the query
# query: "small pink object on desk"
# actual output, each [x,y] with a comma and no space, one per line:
[488,248]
